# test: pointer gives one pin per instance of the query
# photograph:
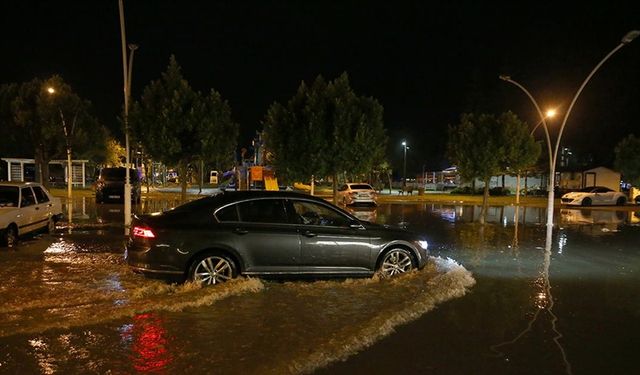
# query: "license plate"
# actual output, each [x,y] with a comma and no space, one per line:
[114,196]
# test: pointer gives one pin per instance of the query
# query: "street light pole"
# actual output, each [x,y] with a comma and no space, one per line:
[127,70]
[67,137]
[404,165]
[553,155]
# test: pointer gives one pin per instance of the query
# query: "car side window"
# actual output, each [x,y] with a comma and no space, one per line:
[263,211]
[311,213]
[28,198]
[9,196]
[40,194]
[229,213]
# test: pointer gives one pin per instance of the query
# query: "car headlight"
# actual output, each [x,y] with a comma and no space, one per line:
[423,244]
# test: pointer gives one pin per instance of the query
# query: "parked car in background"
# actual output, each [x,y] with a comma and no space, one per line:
[262,233]
[356,192]
[594,195]
[110,185]
[26,207]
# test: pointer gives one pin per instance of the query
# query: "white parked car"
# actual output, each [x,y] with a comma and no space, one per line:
[594,195]
[26,207]
[356,192]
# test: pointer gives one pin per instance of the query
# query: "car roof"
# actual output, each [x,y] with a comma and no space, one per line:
[233,195]
[18,183]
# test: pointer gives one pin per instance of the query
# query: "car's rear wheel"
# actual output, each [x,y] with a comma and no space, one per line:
[51,226]
[586,202]
[395,262]
[621,201]
[10,238]
[211,269]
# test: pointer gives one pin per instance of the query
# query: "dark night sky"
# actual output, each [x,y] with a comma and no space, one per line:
[426,62]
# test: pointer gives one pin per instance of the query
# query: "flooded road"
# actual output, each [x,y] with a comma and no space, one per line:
[503,298]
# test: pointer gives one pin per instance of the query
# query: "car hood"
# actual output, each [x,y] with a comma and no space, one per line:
[575,194]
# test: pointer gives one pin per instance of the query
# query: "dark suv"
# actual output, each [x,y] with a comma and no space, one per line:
[110,185]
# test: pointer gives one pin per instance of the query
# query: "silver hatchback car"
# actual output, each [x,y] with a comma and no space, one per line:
[26,207]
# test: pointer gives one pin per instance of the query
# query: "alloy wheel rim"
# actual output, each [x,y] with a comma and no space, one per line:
[396,262]
[213,270]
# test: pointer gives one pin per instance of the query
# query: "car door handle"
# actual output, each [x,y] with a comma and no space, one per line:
[240,231]
[308,233]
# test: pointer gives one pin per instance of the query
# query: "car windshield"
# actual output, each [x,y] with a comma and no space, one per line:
[361,187]
[593,189]
[118,174]
[9,196]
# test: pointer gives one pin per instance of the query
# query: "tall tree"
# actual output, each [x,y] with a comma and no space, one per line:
[483,146]
[177,125]
[628,159]
[15,142]
[325,130]
[521,151]
[54,118]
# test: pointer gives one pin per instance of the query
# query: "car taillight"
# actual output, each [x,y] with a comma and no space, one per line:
[143,232]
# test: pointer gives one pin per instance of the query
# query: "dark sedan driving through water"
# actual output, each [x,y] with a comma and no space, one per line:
[267,233]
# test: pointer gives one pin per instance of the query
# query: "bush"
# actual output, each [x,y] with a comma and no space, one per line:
[465,190]
[499,191]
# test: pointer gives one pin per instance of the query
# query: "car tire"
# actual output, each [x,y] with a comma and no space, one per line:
[586,202]
[621,201]
[212,268]
[396,261]
[10,237]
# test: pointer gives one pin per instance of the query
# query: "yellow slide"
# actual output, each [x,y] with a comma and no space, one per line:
[271,183]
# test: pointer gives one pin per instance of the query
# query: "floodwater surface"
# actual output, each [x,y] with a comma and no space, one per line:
[504,298]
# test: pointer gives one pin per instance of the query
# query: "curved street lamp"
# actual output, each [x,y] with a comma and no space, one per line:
[553,154]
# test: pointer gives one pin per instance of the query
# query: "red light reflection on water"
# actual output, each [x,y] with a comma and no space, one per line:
[149,343]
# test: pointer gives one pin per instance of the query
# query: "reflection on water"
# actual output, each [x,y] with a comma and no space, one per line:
[85,210]
[70,305]
[543,302]
[148,341]
[166,328]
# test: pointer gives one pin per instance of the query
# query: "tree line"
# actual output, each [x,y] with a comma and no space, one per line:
[325,130]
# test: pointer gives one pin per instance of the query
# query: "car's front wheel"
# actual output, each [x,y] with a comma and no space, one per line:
[586,202]
[211,269]
[395,262]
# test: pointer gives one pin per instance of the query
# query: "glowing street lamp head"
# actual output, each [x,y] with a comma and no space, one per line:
[550,113]
[404,143]
[51,90]
[630,36]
